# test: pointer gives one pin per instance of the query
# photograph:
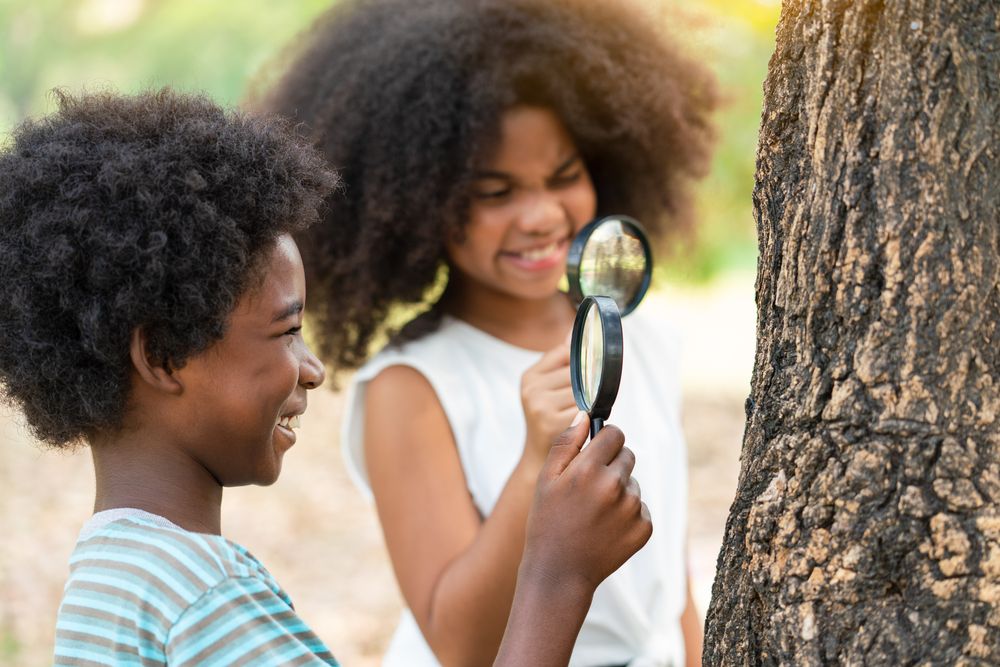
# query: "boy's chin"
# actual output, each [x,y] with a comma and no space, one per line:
[263,476]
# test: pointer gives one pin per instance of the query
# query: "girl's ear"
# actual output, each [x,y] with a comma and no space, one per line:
[154,373]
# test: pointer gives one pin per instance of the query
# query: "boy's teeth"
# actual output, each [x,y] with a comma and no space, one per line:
[290,422]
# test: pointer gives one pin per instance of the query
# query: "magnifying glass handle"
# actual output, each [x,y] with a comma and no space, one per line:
[596,424]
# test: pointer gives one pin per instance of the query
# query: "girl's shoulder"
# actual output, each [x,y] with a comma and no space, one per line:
[448,350]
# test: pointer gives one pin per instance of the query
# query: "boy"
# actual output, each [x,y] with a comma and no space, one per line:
[151,308]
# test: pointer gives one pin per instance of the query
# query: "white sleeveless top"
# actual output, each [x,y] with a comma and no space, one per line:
[635,615]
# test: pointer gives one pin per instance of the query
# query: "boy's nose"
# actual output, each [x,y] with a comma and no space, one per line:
[311,373]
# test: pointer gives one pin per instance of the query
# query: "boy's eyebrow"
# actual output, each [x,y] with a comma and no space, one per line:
[290,310]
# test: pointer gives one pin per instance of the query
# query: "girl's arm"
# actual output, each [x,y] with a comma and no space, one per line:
[692,630]
[456,570]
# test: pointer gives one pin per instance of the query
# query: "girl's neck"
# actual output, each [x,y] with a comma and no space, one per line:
[534,324]
[137,471]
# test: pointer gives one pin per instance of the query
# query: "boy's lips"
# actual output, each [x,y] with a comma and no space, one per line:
[289,422]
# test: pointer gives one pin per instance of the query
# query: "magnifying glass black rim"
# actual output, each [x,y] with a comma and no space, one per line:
[575,256]
[611,368]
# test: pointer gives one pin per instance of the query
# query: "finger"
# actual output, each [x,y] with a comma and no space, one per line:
[554,358]
[623,464]
[633,487]
[558,400]
[644,513]
[567,445]
[556,378]
[605,446]
[564,418]
[646,527]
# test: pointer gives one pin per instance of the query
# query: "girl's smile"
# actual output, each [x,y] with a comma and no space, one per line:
[528,200]
[539,257]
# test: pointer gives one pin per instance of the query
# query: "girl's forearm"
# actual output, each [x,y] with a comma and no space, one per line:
[473,597]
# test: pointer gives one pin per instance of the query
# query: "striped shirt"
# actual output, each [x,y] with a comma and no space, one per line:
[143,591]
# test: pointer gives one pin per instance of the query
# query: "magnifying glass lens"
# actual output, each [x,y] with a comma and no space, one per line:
[592,355]
[595,360]
[614,263]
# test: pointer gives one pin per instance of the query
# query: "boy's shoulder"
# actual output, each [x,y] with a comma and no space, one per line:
[143,587]
[152,558]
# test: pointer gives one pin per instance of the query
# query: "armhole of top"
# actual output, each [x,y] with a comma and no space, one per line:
[352,433]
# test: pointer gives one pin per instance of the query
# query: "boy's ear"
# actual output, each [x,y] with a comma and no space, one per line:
[152,372]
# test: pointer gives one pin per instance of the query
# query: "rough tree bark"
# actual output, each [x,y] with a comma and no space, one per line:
[866,525]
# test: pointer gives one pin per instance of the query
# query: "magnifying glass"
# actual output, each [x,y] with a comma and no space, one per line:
[611,257]
[596,358]
[609,267]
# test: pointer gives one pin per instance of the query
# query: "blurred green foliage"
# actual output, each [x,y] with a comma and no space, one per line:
[218,47]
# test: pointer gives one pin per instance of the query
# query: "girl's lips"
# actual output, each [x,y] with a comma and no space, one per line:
[539,258]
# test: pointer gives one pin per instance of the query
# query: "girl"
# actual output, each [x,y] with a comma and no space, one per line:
[475,139]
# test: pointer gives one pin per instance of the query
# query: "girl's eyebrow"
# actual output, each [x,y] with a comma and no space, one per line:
[565,164]
[288,311]
[491,174]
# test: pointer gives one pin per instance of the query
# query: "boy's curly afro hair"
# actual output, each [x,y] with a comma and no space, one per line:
[404,97]
[153,211]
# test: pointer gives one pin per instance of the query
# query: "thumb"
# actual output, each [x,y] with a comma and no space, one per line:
[567,445]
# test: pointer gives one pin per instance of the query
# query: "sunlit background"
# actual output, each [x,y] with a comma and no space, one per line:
[312,529]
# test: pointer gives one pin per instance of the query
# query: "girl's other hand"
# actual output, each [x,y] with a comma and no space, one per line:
[587,518]
[548,403]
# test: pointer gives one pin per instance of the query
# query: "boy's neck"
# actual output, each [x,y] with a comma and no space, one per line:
[138,471]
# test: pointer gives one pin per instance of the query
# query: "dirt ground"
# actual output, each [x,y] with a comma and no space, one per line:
[315,532]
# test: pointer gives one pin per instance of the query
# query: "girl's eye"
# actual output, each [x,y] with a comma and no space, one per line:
[567,178]
[492,195]
[294,331]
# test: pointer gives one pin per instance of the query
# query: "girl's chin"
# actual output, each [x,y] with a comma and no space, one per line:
[538,292]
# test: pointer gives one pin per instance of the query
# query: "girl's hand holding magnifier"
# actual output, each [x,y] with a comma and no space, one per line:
[547,400]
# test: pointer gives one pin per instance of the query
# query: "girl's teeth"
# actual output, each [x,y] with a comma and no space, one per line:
[290,422]
[539,253]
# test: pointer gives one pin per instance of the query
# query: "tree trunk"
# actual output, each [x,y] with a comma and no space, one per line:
[866,524]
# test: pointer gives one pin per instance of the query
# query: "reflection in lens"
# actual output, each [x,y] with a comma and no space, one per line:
[591,354]
[613,263]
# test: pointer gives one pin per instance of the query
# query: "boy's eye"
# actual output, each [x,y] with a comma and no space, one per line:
[294,331]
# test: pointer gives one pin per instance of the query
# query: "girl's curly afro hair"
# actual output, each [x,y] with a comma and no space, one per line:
[404,97]
[152,211]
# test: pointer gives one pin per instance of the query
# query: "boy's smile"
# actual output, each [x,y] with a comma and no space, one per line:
[244,395]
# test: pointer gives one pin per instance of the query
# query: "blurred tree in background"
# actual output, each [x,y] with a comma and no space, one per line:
[218,47]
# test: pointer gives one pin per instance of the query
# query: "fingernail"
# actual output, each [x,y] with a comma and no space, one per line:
[579,418]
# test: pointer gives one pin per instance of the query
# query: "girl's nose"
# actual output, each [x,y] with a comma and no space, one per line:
[311,371]
[542,214]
